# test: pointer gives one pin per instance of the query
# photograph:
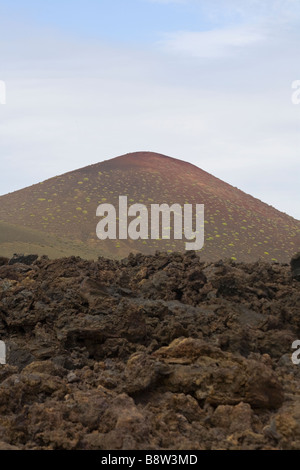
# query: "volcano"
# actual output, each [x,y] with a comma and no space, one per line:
[57,217]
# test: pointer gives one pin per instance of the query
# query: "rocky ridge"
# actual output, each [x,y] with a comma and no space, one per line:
[151,352]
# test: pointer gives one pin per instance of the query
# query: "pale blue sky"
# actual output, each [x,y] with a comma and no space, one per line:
[131,21]
[205,81]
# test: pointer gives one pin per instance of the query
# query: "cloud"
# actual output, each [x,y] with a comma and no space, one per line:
[210,44]
[74,102]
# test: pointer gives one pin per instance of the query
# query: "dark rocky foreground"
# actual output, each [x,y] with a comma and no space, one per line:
[153,352]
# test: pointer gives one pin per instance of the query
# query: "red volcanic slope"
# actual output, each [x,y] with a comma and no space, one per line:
[237,225]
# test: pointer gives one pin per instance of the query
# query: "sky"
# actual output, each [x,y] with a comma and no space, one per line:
[208,82]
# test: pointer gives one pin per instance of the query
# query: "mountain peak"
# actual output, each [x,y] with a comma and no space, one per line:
[237,225]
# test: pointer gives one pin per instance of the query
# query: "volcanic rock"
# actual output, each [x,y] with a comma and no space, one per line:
[161,351]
